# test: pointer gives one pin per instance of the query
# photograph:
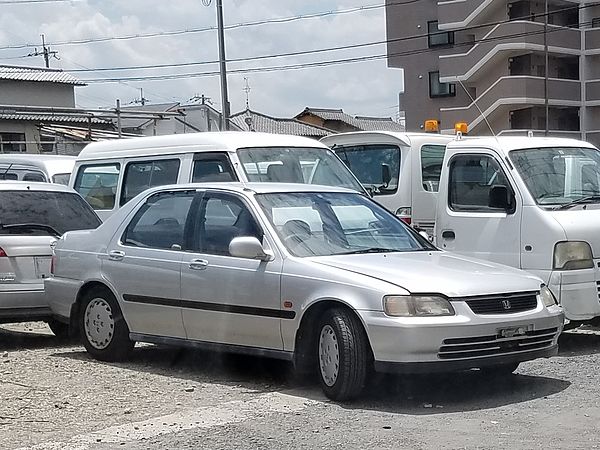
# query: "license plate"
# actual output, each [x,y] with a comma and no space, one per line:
[514,331]
[42,266]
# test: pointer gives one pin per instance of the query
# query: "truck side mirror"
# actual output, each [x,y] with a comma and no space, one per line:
[500,197]
[386,175]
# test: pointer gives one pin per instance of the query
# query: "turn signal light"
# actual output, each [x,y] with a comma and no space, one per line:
[2,253]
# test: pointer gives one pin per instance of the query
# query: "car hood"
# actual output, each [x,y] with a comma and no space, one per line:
[581,225]
[436,272]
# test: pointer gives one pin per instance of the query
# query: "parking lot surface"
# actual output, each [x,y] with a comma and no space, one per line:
[54,396]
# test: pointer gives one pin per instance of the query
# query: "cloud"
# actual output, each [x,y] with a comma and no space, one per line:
[367,88]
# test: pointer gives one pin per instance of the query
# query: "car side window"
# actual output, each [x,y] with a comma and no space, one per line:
[211,167]
[97,184]
[222,218]
[432,157]
[160,222]
[141,175]
[472,178]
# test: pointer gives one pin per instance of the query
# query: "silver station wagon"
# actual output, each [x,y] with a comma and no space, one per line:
[320,276]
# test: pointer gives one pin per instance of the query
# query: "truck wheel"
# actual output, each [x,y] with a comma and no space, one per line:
[103,329]
[342,354]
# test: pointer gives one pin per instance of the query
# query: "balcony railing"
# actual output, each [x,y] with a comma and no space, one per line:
[514,90]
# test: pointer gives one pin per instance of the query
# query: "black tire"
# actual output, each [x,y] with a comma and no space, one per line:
[60,329]
[500,370]
[340,330]
[103,341]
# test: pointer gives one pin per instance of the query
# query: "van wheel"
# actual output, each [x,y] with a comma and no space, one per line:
[103,329]
[60,329]
[342,355]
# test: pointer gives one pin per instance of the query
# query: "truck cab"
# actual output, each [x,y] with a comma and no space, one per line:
[401,170]
[530,203]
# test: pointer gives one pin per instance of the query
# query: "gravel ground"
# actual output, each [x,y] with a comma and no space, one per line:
[53,396]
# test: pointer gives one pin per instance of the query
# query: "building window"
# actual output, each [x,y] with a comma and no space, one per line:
[437,89]
[12,142]
[437,38]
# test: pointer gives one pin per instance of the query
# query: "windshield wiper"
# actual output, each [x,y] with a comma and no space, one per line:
[579,201]
[369,250]
[31,226]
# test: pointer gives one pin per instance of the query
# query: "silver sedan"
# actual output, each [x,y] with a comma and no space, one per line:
[323,277]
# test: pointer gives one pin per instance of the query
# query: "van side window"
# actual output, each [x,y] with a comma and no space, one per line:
[210,167]
[472,178]
[97,184]
[141,175]
[432,157]
[160,223]
[368,161]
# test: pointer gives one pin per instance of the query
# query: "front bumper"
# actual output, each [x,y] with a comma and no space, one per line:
[462,341]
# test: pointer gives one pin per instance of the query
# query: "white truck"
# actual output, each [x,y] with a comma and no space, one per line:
[530,203]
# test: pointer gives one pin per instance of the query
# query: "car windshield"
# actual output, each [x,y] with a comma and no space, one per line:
[559,175]
[306,165]
[322,224]
[44,212]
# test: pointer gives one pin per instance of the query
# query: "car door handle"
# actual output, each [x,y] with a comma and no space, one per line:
[198,264]
[116,255]
[448,234]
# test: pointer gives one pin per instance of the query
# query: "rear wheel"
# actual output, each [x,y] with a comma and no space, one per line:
[103,329]
[60,329]
[342,355]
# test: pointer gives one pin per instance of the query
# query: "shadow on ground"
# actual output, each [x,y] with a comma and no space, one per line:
[11,339]
[416,395]
[578,343]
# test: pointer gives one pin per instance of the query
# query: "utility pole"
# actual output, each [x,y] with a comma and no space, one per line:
[546,104]
[46,53]
[247,91]
[118,111]
[222,67]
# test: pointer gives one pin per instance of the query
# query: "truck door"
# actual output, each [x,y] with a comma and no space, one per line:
[478,212]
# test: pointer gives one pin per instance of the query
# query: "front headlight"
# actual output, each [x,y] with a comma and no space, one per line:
[416,306]
[571,255]
[547,297]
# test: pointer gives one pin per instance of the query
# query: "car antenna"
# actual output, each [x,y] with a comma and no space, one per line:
[478,109]
[6,171]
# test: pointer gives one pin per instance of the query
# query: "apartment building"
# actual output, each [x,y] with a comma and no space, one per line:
[499,65]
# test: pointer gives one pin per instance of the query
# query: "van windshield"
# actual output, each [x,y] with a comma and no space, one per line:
[305,165]
[559,175]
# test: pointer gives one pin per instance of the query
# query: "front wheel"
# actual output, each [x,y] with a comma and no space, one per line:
[342,354]
[103,329]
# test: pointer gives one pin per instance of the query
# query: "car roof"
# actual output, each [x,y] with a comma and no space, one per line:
[258,188]
[53,164]
[32,186]
[197,142]
[374,137]
[509,143]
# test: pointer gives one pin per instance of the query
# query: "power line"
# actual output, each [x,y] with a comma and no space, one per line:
[320,63]
[19,2]
[212,28]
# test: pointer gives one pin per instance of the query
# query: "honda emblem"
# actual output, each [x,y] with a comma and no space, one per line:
[506,304]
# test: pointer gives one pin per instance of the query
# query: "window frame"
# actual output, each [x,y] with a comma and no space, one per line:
[480,210]
[128,164]
[139,213]
[199,216]
[451,86]
[431,34]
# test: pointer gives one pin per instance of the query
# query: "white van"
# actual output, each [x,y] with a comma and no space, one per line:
[108,174]
[530,203]
[401,170]
[36,168]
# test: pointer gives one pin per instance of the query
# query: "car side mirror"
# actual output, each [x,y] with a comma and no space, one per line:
[386,175]
[248,247]
[500,197]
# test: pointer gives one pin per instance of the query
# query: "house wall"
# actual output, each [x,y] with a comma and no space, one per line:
[25,93]
[32,135]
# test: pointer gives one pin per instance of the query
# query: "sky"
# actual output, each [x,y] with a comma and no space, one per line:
[361,88]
